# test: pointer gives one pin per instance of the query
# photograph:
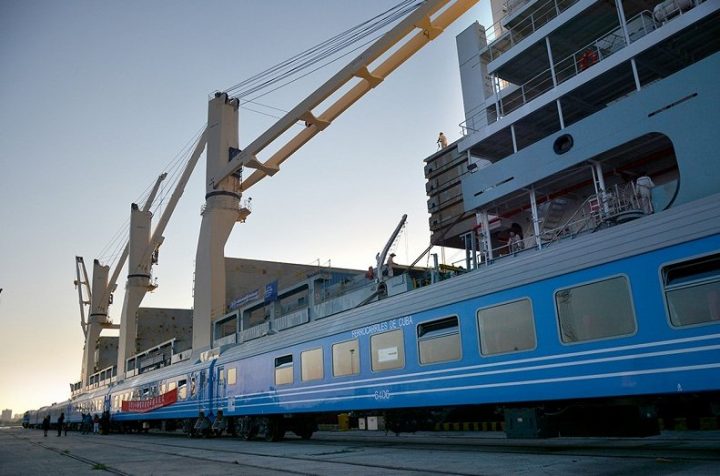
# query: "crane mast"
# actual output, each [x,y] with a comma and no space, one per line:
[142,247]
[224,158]
[102,288]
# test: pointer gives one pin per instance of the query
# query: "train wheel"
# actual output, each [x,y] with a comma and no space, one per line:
[246,428]
[304,427]
[273,429]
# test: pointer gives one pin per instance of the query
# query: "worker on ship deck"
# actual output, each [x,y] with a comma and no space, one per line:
[643,189]
[442,141]
[389,266]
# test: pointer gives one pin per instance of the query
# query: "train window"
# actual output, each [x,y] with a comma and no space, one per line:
[595,311]
[172,386]
[346,358]
[232,376]
[508,327]
[311,364]
[182,389]
[692,291]
[439,340]
[388,350]
[284,370]
[221,375]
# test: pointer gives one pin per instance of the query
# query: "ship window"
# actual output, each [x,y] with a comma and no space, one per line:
[182,389]
[595,311]
[311,364]
[692,291]
[563,144]
[346,358]
[506,328]
[439,341]
[388,350]
[284,370]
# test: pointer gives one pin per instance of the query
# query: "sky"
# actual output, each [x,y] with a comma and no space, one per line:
[98,97]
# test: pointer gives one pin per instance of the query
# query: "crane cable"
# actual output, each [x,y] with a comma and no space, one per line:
[111,252]
[319,53]
[324,53]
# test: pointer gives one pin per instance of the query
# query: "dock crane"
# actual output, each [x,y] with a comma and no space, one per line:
[96,295]
[225,159]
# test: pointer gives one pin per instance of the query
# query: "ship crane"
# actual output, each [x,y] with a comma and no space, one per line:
[102,289]
[82,284]
[225,159]
[143,248]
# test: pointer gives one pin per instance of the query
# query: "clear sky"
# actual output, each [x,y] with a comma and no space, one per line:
[97,97]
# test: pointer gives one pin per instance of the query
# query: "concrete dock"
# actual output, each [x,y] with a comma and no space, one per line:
[28,452]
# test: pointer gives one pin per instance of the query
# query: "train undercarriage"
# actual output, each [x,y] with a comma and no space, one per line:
[616,417]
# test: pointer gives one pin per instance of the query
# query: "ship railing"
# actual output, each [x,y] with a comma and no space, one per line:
[568,67]
[669,9]
[604,209]
[501,39]
[605,46]
[582,59]
[244,208]
[597,210]
[585,217]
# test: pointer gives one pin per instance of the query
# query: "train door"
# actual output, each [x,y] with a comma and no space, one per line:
[202,391]
[220,387]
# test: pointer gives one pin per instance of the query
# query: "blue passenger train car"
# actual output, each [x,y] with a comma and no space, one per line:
[591,322]
[585,195]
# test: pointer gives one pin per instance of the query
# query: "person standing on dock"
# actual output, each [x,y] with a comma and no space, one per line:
[61,423]
[46,424]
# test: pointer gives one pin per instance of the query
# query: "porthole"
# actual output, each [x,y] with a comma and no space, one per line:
[563,144]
